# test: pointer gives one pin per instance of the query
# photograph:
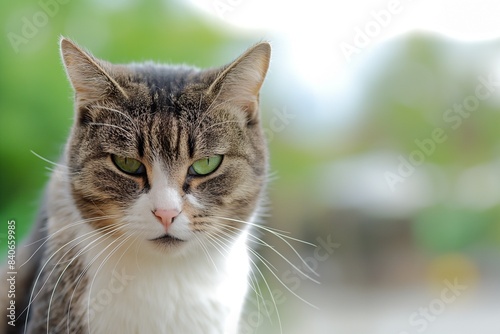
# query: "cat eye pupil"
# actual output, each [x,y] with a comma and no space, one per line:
[128,165]
[205,165]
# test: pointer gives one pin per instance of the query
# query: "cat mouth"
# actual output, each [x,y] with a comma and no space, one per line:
[168,239]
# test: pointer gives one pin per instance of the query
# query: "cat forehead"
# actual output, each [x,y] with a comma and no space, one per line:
[170,91]
[157,124]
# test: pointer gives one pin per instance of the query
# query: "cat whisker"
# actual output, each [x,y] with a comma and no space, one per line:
[125,239]
[137,236]
[283,238]
[224,243]
[200,135]
[263,243]
[226,229]
[268,289]
[137,253]
[270,267]
[108,230]
[279,279]
[78,281]
[206,251]
[289,262]
[254,239]
[46,238]
[127,117]
[211,108]
[60,172]
[218,245]
[87,236]
[130,134]
[254,285]
[82,273]
[132,122]
[283,233]
[231,232]
[49,161]
[91,245]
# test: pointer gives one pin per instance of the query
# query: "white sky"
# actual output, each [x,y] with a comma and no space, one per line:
[308,35]
[322,26]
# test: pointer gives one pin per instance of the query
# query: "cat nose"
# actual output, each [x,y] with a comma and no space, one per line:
[166,217]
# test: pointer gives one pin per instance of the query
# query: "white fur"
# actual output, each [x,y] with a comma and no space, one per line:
[139,287]
[162,195]
[165,294]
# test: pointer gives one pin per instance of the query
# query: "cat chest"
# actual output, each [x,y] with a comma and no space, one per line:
[127,303]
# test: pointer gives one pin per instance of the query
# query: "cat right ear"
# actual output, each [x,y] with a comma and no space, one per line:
[89,76]
[239,83]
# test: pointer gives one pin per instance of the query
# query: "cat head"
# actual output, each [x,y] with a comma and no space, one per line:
[170,154]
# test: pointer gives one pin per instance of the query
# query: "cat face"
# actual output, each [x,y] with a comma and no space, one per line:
[168,154]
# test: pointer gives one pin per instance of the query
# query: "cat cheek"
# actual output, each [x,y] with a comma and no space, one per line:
[193,201]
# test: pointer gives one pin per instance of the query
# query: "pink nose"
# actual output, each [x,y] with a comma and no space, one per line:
[166,217]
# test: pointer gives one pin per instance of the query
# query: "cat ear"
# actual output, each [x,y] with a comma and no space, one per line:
[88,75]
[239,83]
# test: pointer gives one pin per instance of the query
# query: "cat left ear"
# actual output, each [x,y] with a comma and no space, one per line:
[89,76]
[239,83]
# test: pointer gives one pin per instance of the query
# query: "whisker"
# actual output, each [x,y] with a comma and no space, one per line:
[210,108]
[79,279]
[137,235]
[264,261]
[276,276]
[49,161]
[231,229]
[206,252]
[214,242]
[111,229]
[269,290]
[31,300]
[107,235]
[261,295]
[100,266]
[113,126]
[252,278]
[283,238]
[262,242]
[81,275]
[255,239]
[200,135]
[60,173]
[225,247]
[120,113]
[83,221]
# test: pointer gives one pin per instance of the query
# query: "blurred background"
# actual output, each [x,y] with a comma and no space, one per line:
[383,120]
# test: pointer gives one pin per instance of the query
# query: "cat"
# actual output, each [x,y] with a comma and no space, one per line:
[145,221]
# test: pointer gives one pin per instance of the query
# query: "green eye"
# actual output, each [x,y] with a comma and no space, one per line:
[128,165]
[205,166]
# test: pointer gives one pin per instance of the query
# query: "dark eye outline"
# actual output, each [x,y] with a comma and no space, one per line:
[192,169]
[121,164]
